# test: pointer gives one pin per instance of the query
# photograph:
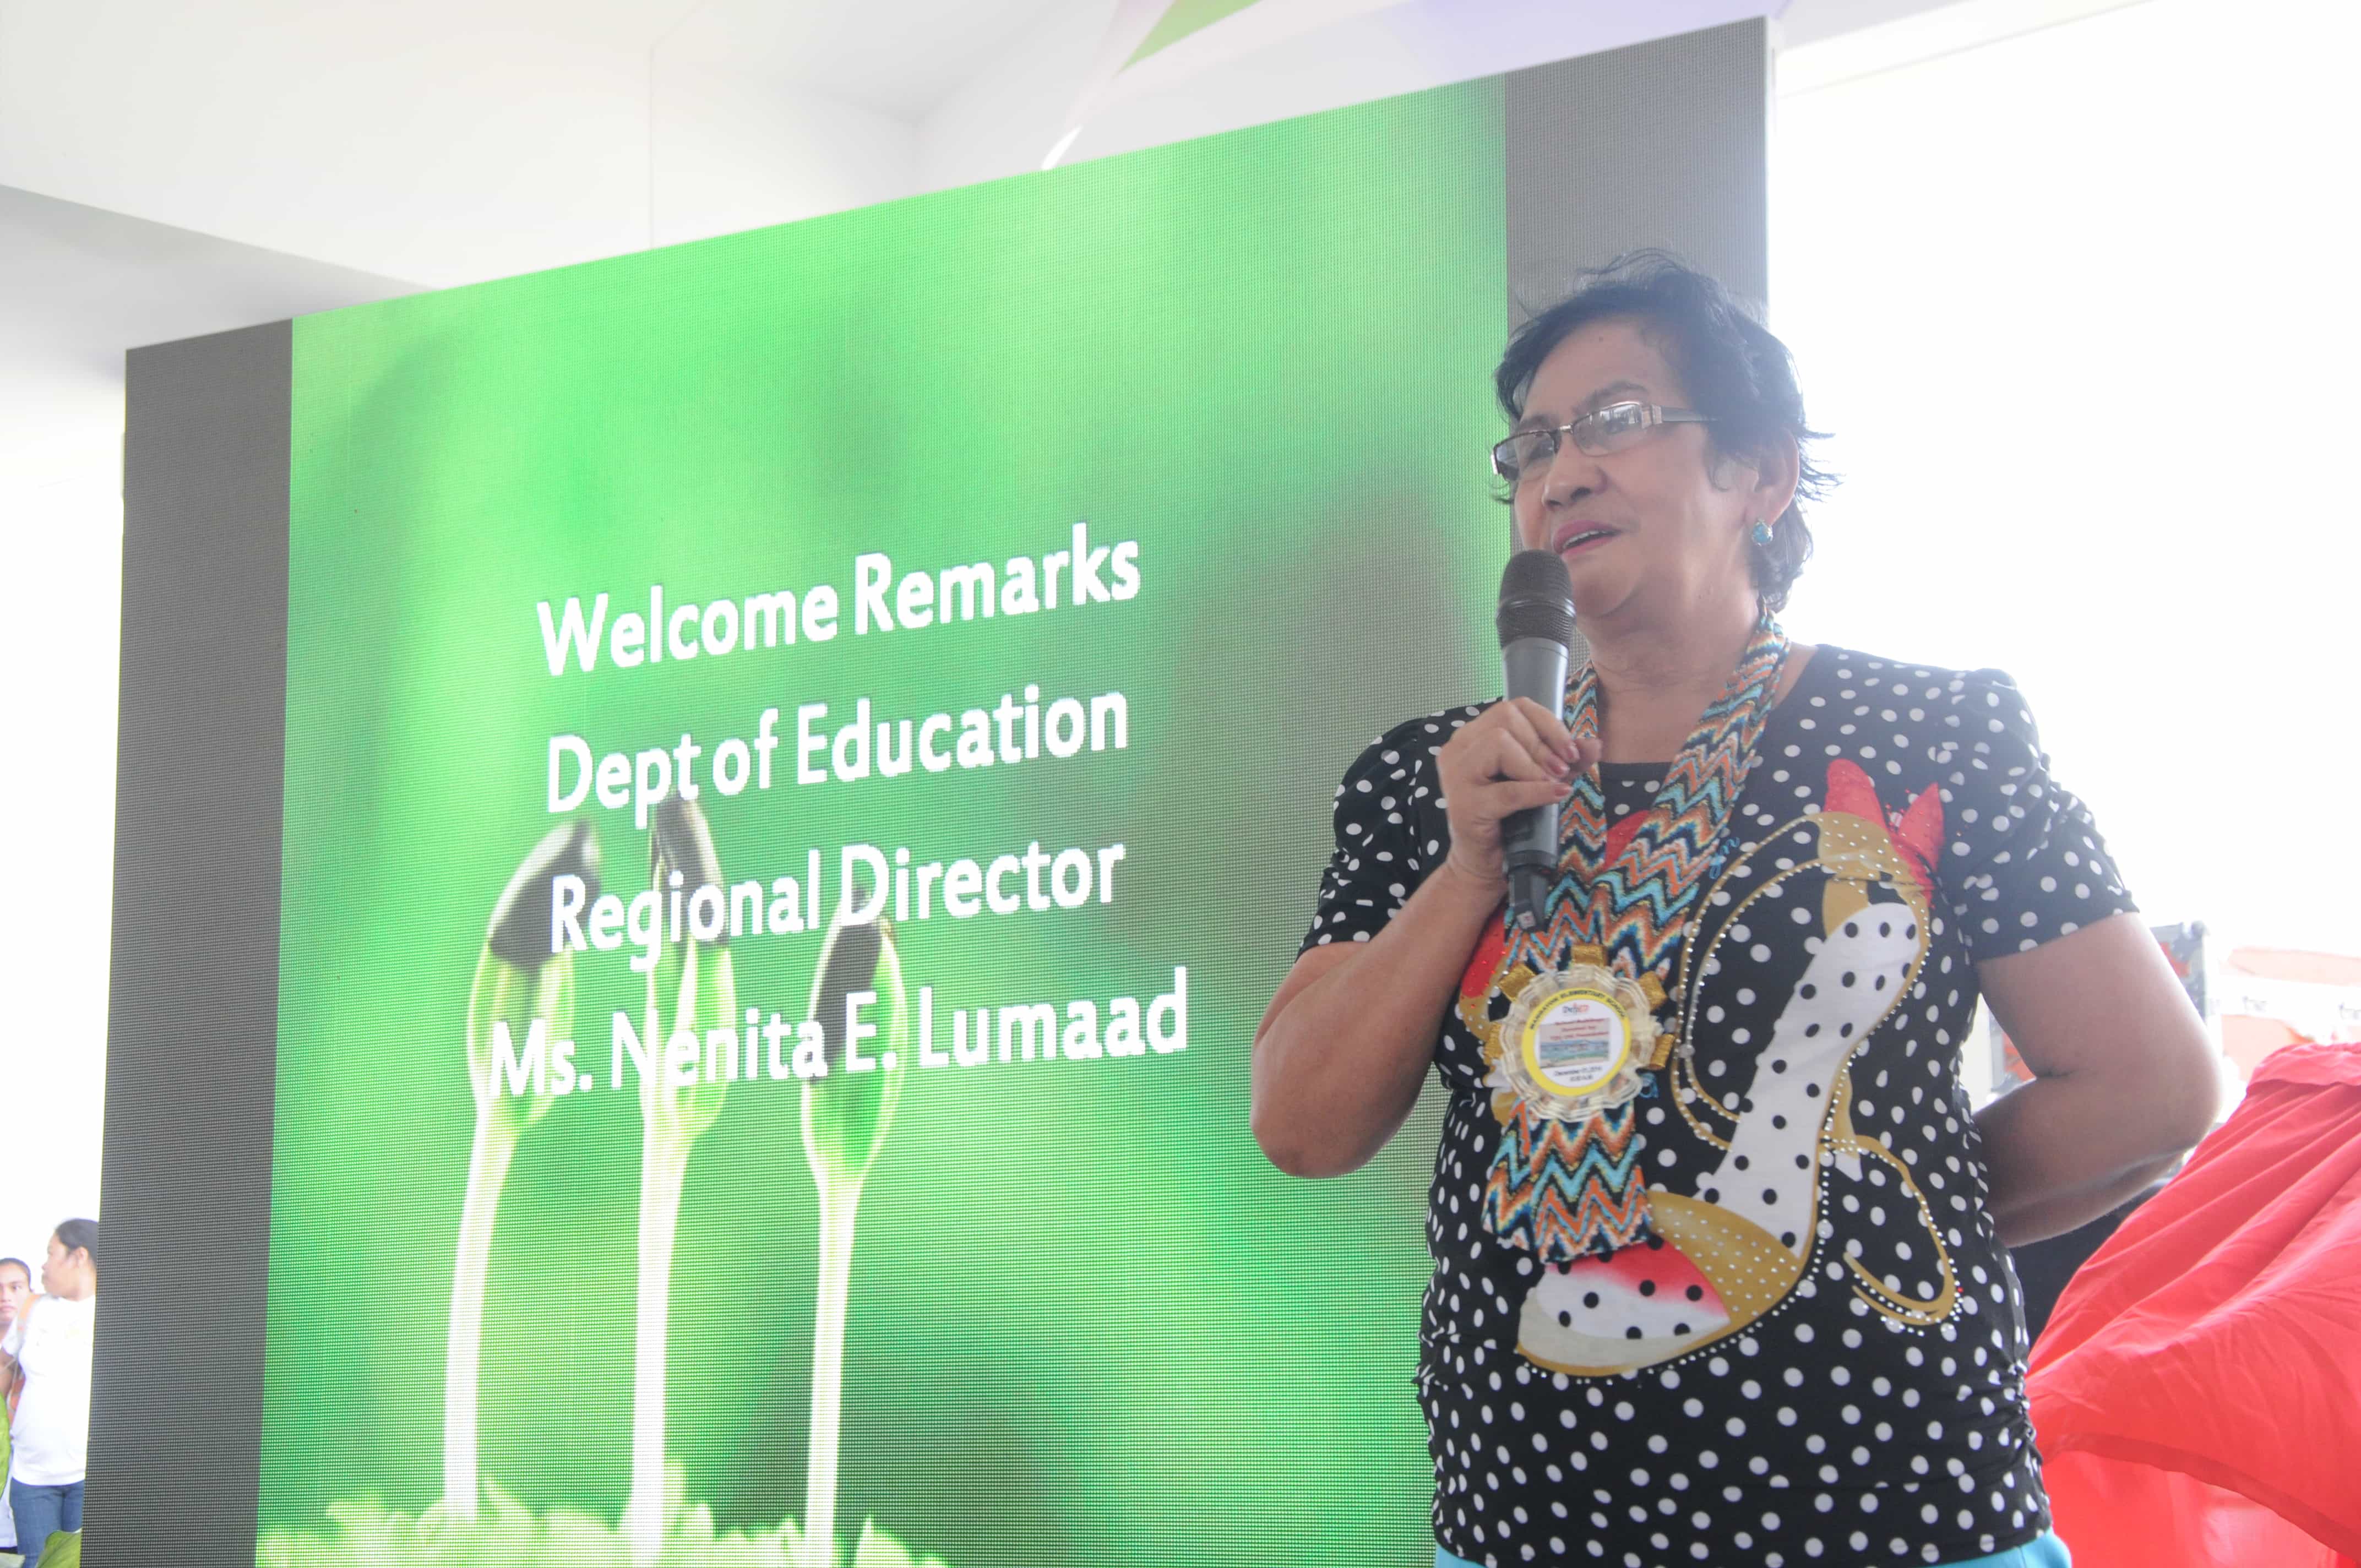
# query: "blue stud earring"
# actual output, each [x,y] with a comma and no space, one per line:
[1761,532]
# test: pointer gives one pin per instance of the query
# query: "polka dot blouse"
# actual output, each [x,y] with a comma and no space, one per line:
[1819,1355]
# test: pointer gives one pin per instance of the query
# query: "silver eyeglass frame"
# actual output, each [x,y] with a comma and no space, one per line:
[1651,415]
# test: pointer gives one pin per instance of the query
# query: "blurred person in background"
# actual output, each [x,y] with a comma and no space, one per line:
[15,1291]
[45,1359]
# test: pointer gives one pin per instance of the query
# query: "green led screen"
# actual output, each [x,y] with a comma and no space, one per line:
[1032,557]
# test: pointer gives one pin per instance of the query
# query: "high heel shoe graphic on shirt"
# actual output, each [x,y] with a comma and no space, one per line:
[1731,1250]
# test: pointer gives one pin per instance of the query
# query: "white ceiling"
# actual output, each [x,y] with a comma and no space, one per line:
[900,60]
[446,141]
[78,285]
[397,139]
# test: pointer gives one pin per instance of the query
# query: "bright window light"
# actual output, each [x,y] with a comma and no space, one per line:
[2077,305]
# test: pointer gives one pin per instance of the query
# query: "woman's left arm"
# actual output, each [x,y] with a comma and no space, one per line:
[2124,1076]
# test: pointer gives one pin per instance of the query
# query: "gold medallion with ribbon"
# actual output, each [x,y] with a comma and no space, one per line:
[1576,1041]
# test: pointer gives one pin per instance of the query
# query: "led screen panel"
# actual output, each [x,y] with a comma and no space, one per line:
[1009,574]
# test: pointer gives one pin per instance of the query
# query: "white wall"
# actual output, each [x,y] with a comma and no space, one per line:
[2074,304]
[77,287]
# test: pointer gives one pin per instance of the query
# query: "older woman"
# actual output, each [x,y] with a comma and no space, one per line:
[1720,1250]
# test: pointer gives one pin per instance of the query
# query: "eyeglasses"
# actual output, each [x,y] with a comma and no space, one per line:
[1599,432]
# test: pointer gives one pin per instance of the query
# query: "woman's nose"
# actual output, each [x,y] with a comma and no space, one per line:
[1572,473]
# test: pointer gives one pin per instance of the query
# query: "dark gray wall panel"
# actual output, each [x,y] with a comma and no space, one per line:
[193,1011]
[1661,144]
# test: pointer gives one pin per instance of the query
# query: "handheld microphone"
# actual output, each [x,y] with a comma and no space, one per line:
[1536,625]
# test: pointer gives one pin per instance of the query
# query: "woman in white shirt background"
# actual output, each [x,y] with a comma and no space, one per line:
[45,1364]
[15,1293]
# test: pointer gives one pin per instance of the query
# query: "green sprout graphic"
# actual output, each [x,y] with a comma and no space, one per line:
[860,1011]
[846,1117]
[691,989]
[510,1535]
[523,989]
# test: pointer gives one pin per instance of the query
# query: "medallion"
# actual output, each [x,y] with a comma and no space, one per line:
[1576,1040]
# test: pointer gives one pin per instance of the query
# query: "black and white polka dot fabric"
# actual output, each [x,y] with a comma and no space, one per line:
[1819,1356]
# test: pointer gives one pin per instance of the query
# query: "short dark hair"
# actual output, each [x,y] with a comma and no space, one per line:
[79,1235]
[18,1262]
[1731,369]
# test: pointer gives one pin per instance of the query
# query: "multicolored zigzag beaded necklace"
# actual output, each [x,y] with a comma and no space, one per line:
[1585,984]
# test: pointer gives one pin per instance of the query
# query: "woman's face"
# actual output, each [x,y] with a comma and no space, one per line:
[64,1272]
[1646,529]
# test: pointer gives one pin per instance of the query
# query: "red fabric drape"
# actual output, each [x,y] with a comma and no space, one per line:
[2198,1392]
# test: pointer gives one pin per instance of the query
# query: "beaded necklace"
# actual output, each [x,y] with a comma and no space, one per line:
[1566,1188]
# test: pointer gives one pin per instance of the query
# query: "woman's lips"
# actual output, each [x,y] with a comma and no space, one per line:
[1575,538]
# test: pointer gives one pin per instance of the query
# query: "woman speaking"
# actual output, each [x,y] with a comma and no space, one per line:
[1719,1268]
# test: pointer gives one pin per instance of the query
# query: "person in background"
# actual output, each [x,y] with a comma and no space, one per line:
[46,1356]
[15,1291]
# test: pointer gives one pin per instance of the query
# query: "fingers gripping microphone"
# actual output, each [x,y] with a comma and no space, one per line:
[1536,625]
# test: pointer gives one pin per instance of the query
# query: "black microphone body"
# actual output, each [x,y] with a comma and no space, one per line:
[1536,625]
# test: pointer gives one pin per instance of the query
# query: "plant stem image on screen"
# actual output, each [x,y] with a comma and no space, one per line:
[521,986]
[886,678]
[691,989]
[846,1117]
[524,992]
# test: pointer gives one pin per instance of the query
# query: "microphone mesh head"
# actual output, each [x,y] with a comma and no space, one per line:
[1536,600]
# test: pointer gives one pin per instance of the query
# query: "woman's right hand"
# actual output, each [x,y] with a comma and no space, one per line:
[1511,757]
[1347,1040]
